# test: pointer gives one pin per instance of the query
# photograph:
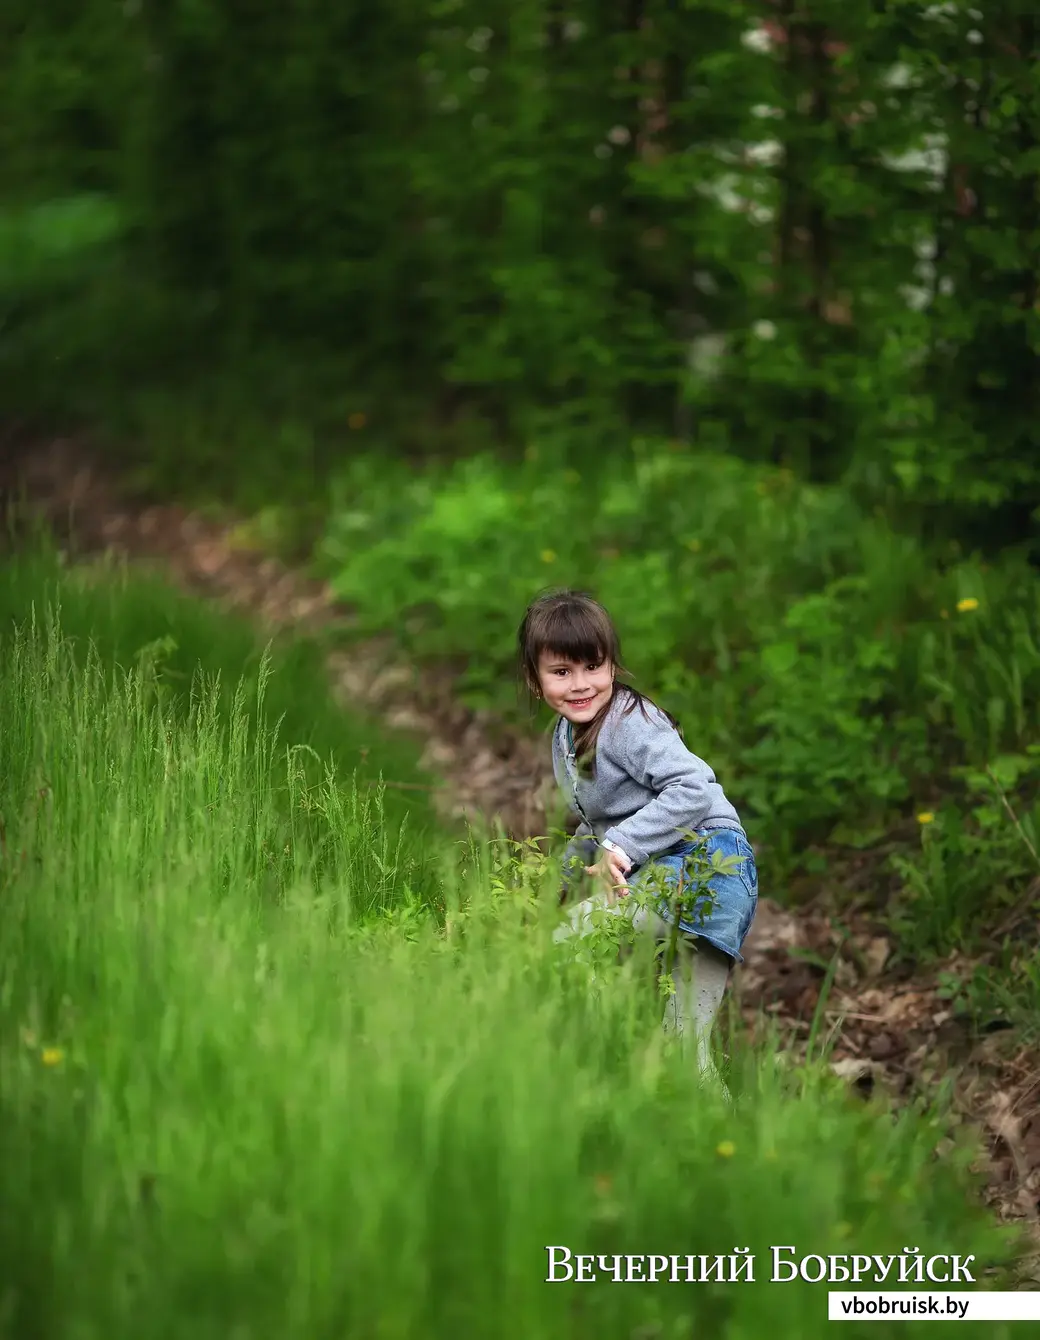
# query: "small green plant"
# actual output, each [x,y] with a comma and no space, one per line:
[611,924]
[977,869]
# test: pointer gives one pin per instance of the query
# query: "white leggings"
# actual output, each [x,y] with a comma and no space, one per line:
[700,973]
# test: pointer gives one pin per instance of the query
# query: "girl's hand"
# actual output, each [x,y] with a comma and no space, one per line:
[612,868]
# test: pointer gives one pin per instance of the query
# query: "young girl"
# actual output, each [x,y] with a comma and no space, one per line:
[636,788]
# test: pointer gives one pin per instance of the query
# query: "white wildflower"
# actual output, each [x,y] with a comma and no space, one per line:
[916,297]
[705,353]
[899,75]
[766,153]
[756,39]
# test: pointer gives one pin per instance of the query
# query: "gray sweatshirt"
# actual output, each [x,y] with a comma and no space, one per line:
[648,787]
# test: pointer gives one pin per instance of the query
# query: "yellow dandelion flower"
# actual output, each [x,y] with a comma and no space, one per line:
[52,1056]
[967,604]
[726,1149]
[926,817]
[548,555]
[357,420]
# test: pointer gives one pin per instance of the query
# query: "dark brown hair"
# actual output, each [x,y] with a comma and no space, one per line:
[572,625]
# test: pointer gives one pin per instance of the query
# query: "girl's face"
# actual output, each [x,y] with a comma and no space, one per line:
[575,689]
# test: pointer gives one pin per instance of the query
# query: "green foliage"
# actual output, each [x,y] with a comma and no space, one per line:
[847,636]
[814,248]
[835,676]
[42,246]
[979,861]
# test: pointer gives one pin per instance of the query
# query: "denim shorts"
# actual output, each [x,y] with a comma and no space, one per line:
[724,916]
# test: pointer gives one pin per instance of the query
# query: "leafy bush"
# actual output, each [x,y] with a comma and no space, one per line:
[831,671]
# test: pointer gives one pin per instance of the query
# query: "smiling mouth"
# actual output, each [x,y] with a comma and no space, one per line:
[581,702]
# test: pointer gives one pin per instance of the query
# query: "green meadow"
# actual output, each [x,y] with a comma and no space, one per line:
[276,1063]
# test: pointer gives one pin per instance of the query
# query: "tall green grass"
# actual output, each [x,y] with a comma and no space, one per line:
[248,1092]
[136,618]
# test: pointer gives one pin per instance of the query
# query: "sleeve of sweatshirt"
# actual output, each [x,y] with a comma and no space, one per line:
[653,753]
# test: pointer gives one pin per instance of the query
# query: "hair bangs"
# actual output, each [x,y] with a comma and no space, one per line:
[573,630]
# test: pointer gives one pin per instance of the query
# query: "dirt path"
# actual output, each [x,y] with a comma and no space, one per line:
[889,1031]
